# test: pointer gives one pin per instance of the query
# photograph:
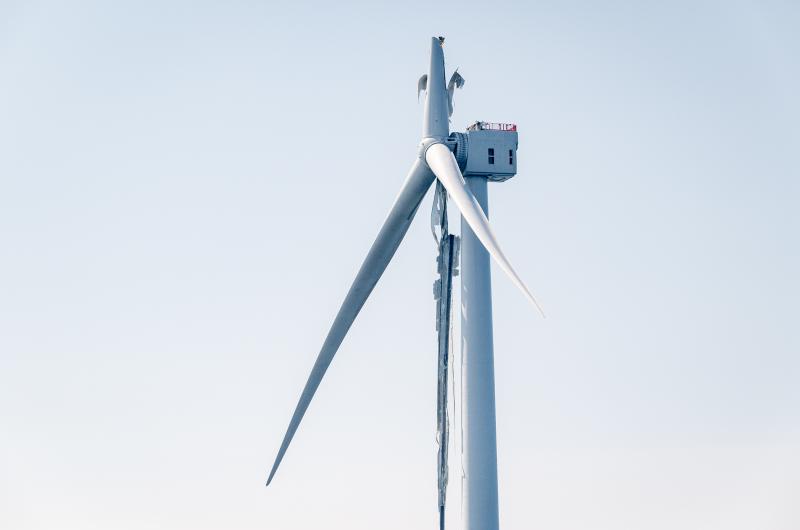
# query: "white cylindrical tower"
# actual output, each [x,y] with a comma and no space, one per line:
[480,441]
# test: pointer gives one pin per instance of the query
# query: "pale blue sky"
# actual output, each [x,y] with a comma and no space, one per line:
[187,190]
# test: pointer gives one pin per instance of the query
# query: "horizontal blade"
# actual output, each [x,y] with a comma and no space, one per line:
[444,166]
[391,234]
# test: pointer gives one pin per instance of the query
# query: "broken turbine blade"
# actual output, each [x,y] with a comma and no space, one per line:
[456,81]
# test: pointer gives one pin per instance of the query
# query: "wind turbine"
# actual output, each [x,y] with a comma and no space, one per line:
[485,152]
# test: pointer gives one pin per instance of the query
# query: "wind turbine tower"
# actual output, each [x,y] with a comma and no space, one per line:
[462,163]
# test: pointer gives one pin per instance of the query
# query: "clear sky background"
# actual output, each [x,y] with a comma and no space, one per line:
[187,190]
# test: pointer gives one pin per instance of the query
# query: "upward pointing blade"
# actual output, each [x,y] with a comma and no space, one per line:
[435,122]
[391,234]
[444,166]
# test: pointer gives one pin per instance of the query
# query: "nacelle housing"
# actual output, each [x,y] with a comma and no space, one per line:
[486,149]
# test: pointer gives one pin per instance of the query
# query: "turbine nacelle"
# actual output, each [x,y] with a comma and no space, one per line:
[486,150]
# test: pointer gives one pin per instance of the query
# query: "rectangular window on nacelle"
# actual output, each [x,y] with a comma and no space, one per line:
[491,155]
[511,157]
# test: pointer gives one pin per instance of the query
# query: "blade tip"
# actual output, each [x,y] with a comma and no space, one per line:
[271,475]
[536,305]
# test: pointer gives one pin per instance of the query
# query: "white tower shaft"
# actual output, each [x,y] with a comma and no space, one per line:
[480,440]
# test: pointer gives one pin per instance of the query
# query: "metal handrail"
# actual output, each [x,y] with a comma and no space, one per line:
[490,126]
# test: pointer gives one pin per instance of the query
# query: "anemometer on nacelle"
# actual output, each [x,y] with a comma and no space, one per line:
[487,150]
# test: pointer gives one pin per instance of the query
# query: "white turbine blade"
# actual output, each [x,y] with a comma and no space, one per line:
[444,166]
[391,234]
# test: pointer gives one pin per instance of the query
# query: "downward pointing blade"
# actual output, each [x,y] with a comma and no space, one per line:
[444,166]
[391,234]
